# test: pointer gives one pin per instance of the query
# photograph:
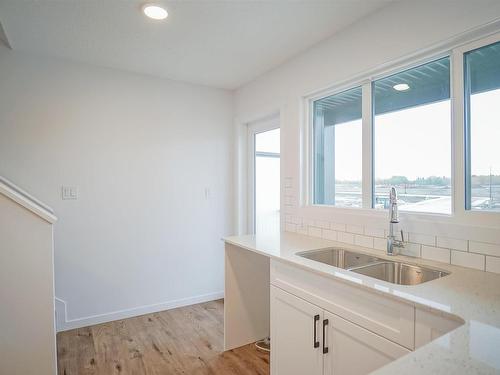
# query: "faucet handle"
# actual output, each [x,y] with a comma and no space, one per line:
[402,237]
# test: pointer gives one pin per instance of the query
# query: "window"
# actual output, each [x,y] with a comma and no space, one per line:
[267,181]
[412,138]
[337,144]
[404,130]
[482,128]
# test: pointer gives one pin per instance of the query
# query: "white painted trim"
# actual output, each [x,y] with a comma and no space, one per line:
[460,219]
[21,197]
[367,146]
[250,163]
[306,166]
[407,61]
[457,133]
[4,38]
[65,324]
[259,126]
[53,286]
[477,216]
[241,167]
[61,312]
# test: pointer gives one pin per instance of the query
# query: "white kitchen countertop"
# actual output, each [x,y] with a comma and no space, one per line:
[473,296]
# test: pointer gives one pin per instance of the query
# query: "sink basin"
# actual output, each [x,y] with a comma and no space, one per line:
[369,265]
[339,257]
[400,273]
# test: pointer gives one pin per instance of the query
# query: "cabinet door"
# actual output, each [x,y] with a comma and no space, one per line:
[295,335]
[353,350]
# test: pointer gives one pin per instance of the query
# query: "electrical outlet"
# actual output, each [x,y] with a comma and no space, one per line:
[69,192]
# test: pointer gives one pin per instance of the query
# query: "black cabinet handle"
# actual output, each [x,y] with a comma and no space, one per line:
[316,342]
[325,348]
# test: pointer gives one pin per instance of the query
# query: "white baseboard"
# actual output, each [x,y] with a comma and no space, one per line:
[63,324]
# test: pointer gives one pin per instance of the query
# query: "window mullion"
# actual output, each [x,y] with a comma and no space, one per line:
[458,135]
[367,134]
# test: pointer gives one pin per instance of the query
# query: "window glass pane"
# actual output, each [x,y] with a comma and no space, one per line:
[412,138]
[338,149]
[267,182]
[268,141]
[482,83]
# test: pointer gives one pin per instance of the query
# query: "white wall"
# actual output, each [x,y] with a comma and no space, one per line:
[27,339]
[142,151]
[396,31]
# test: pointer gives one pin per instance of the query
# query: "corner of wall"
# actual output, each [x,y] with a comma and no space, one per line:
[61,314]
[65,324]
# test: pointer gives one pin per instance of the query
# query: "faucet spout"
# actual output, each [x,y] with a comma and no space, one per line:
[393,245]
[393,209]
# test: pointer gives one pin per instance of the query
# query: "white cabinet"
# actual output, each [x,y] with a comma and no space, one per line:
[353,350]
[385,316]
[295,335]
[305,339]
[321,326]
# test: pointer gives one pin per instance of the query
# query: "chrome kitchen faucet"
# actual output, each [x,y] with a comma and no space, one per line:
[394,245]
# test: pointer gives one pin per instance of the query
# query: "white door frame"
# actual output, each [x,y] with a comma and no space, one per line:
[253,128]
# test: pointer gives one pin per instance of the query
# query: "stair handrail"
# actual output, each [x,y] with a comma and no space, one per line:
[20,196]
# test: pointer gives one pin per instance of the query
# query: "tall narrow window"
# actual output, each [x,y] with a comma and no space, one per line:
[267,181]
[338,149]
[482,103]
[412,138]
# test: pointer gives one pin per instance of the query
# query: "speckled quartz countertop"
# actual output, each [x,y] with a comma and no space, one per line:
[473,296]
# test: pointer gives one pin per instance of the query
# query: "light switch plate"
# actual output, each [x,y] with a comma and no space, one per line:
[69,192]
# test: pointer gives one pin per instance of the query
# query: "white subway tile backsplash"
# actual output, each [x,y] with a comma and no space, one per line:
[375,232]
[437,254]
[460,258]
[322,224]
[424,239]
[329,234]
[314,232]
[302,229]
[380,243]
[345,237]
[484,248]
[466,253]
[411,250]
[288,182]
[308,222]
[338,227]
[364,241]
[352,228]
[452,243]
[493,264]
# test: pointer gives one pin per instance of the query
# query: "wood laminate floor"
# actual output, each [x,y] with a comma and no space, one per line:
[186,340]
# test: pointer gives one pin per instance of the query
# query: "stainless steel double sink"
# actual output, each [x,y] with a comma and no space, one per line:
[383,269]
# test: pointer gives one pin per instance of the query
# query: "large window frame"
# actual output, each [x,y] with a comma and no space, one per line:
[468,126]
[455,50]
[327,189]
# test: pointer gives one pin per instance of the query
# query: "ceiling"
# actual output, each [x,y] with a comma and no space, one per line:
[215,43]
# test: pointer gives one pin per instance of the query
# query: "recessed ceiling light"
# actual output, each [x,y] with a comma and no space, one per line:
[155,12]
[401,87]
